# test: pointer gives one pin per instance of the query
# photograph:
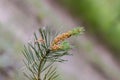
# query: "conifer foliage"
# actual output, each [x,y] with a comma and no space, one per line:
[43,52]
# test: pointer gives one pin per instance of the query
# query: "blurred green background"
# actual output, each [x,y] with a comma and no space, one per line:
[97,52]
[101,18]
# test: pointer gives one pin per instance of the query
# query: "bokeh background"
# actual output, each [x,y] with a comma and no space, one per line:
[97,52]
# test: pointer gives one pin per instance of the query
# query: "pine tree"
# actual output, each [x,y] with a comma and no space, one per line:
[43,52]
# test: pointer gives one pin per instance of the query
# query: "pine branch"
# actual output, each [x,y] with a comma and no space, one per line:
[41,54]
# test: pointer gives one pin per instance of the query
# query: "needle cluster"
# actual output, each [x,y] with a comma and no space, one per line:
[41,54]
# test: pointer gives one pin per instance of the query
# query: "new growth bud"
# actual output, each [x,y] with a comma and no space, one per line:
[58,41]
